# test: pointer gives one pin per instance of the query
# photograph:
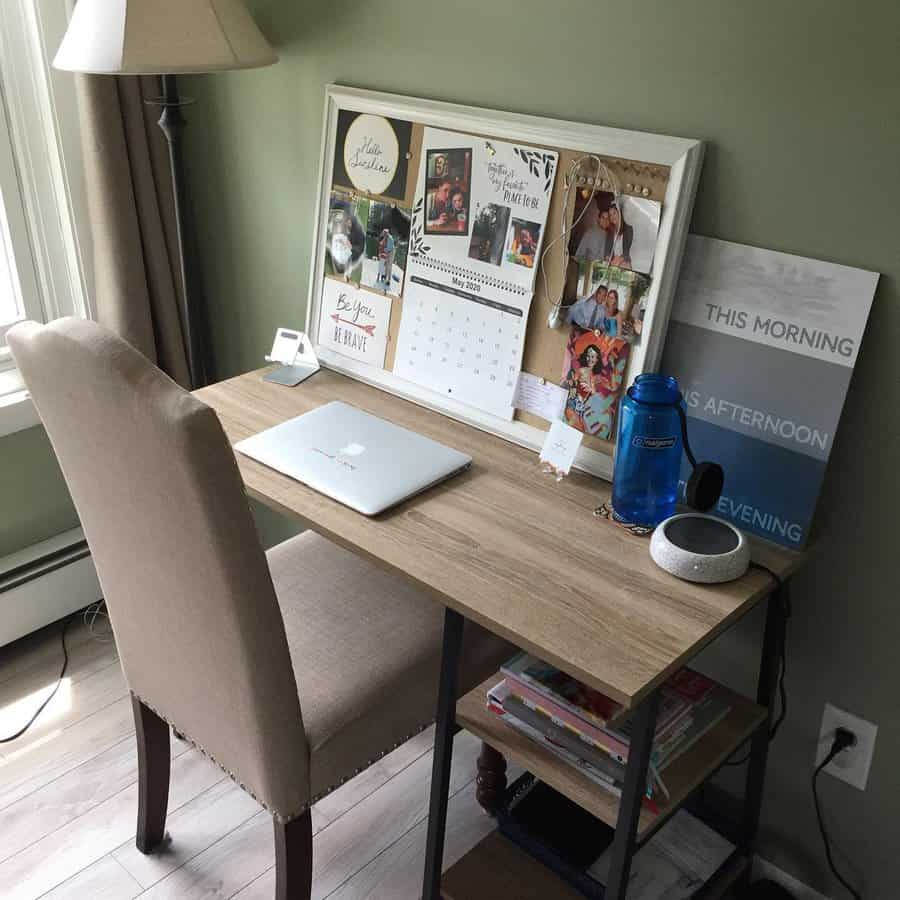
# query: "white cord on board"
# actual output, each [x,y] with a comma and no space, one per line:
[571,183]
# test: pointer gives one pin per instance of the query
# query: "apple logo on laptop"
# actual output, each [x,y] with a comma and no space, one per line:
[352,449]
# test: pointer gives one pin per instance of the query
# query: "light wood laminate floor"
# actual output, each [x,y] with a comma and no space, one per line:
[68,801]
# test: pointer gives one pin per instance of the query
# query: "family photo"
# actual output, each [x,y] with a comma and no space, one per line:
[622,233]
[607,319]
[345,241]
[524,238]
[609,300]
[448,187]
[489,233]
[386,247]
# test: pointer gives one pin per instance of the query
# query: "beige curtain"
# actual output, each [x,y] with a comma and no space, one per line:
[137,281]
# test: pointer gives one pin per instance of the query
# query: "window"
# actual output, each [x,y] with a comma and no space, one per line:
[41,188]
[19,294]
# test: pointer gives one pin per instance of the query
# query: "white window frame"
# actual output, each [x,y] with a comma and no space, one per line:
[14,237]
[40,108]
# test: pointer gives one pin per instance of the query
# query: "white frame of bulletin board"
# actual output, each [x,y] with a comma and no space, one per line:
[683,156]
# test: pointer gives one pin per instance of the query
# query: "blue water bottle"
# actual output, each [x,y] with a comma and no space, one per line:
[648,451]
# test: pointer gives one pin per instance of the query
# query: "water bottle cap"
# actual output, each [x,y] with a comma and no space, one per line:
[657,389]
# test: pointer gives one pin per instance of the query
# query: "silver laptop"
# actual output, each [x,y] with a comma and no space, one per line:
[356,458]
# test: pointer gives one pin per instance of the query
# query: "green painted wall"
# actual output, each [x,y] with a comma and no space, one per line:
[34,502]
[799,104]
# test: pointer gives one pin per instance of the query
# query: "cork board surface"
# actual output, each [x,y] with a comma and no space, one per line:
[544,346]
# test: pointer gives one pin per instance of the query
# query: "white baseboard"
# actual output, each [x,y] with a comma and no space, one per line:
[54,592]
[762,868]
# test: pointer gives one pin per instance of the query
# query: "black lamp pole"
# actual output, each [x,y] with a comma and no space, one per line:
[191,309]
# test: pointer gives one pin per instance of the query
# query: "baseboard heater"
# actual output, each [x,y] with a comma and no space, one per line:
[45,582]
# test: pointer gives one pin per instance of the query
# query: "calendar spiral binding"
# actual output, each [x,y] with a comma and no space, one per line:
[463,272]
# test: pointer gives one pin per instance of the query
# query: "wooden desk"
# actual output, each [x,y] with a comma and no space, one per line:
[509,547]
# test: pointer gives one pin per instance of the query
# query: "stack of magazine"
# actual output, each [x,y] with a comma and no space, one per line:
[591,732]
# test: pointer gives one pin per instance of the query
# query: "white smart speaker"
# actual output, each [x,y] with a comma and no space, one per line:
[698,547]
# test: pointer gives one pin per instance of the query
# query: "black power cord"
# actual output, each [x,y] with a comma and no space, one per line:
[782,690]
[843,738]
[62,674]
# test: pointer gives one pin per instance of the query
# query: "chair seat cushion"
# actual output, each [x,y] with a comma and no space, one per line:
[366,649]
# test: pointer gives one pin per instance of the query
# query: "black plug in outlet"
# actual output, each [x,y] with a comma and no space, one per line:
[851,740]
[843,738]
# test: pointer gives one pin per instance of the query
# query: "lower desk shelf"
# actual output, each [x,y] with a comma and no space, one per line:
[681,777]
[496,868]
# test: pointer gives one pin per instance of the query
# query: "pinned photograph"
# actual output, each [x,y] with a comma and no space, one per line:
[623,234]
[345,240]
[609,300]
[448,185]
[524,239]
[386,248]
[593,374]
[489,233]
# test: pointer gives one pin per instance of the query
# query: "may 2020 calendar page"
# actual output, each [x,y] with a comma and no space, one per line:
[477,229]
[462,335]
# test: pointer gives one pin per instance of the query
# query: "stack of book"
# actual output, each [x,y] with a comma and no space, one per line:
[591,732]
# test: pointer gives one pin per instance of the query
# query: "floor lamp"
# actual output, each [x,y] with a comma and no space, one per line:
[167,38]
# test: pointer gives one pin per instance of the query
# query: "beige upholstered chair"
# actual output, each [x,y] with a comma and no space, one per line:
[291,670]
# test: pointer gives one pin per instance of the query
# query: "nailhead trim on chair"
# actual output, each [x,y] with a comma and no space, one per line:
[279,816]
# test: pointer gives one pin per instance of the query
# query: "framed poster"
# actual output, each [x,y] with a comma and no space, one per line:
[763,345]
[449,212]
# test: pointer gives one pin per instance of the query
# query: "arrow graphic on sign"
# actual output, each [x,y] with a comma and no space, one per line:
[369,329]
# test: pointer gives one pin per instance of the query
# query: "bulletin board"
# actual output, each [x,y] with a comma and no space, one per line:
[401,216]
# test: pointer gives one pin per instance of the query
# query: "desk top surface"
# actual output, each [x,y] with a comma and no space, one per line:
[506,545]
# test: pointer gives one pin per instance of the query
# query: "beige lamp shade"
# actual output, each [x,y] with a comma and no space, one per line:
[161,37]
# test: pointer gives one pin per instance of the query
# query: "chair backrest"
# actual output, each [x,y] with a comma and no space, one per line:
[162,505]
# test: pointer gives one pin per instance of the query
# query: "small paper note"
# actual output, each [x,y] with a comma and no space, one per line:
[539,397]
[561,447]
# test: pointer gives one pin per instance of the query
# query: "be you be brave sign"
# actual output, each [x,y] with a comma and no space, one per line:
[354,321]
[763,345]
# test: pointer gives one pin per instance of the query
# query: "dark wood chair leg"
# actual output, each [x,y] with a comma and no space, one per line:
[491,779]
[294,858]
[154,760]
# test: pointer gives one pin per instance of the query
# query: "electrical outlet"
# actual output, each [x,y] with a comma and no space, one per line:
[852,765]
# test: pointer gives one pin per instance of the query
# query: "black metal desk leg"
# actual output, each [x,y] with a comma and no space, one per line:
[632,796]
[443,754]
[767,688]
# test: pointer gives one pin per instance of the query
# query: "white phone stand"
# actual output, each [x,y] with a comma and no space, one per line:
[293,349]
